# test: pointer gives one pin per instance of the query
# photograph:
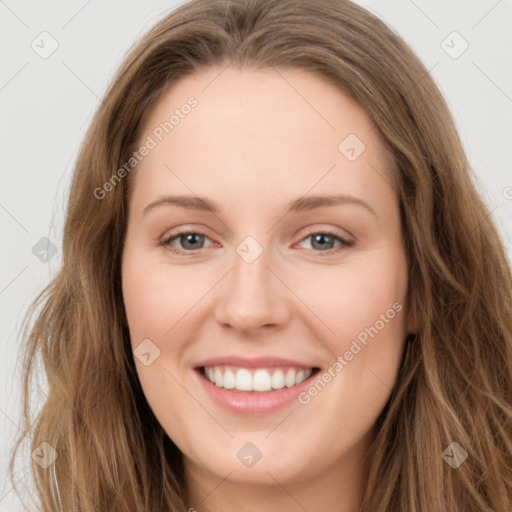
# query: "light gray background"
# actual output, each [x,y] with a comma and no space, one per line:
[47,104]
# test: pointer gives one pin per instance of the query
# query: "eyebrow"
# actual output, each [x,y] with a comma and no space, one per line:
[298,205]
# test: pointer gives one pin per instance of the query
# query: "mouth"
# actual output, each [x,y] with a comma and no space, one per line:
[253,386]
[256,380]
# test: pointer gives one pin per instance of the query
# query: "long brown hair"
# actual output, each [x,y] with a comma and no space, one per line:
[455,383]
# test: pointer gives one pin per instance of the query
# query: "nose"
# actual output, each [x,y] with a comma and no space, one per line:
[253,297]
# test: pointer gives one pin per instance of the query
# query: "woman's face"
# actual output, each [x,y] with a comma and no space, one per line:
[292,268]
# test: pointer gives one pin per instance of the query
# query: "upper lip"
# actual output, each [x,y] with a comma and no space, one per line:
[258,362]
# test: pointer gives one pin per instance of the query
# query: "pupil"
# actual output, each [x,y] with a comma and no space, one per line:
[190,238]
[321,239]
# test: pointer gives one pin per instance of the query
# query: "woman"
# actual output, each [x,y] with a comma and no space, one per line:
[260,371]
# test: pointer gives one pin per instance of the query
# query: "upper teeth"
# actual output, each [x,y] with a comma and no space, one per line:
[259,379]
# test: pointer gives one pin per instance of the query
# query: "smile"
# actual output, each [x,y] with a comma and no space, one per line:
[255,379]
[255,386]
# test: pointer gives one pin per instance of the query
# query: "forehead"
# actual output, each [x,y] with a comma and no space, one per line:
[277,133]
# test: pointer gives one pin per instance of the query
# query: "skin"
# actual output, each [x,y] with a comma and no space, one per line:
[252,145]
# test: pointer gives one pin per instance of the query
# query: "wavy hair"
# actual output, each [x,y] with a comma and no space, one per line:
[455,381]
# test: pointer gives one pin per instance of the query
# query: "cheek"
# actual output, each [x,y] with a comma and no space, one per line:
[156,296]
[351,300]
[363,307]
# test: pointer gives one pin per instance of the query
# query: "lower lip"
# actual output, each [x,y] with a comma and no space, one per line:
[253,403]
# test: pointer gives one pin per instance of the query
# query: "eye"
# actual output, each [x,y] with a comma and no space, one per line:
[324,241]
[190,241]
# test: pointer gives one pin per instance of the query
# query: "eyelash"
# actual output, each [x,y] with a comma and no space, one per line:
[344,243]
